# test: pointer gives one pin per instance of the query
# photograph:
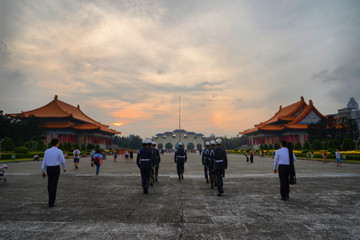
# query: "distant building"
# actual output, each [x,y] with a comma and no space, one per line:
[289,123]
[170,140]
[70,125]
[350,112]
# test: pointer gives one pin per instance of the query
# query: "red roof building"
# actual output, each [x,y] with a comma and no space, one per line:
[289,123]
[70,125]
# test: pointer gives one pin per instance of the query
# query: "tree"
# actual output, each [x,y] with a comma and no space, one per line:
[316,145]
[298,146]
[76,146]
[271,147]
[276,146]
[8,144]
[132,142]
[41,145]
[83,148]
[306,146]
[348,144]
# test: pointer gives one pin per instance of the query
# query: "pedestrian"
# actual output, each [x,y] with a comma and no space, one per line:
[98,158]
[252,157]
[282,165]
[36,157]
[205,160]
[211,164]
[273,154]
[247,157]
[127,154]
[76,155]
[180,159]
[144,161]
[115,155]
[157,160]
[53,157]
[312,155]
[324,157]
[338,157]
[131,155]
[220,163]
[92,153]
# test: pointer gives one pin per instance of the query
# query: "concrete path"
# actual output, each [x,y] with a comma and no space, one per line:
[325,204]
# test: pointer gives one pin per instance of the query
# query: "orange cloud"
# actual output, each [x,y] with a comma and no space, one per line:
[118,123]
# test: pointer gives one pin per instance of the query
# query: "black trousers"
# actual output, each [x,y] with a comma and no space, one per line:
[206,172]
[53,174]
[156,170]
[219,179]
[284,176]
[212,176]
[180,167]
[145,177]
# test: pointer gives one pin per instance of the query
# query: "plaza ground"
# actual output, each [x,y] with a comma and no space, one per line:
[325,204]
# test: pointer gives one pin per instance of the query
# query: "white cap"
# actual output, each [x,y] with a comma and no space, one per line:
[207,143]
[212,142]
[144,140]
[153,143]
[180,143]
[149,141]
[218,141]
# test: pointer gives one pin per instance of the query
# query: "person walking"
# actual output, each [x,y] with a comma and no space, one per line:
[338,157]
[115,155]
[205,160]
[144,161]
[98,158]
[211,164]
[131,155]
[92,153]
[282,165]
[252,157]
[76,154]
[53,157]
[312,155]
[220,163]
[324,157]
[180,159]
[157,160]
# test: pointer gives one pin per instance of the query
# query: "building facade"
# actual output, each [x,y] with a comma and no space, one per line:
[70,125]
[289,123]
[170,140]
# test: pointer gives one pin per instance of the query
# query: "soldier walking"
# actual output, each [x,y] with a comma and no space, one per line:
[205,160]
[180,158]
[220,162]
[157,160]
[145,160]
[211,164]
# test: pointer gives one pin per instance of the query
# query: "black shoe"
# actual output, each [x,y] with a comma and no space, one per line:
[207,181]
[92,165]
[52,205]
[287,196]
[222,191]
[146,191]
[182,176]
[212,186]
[151,184]
[284,199]
[219,194]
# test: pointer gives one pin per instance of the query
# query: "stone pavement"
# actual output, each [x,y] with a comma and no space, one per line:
[325,204]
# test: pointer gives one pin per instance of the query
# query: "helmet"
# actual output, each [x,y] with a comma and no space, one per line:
[207,143]
[144,141]
[180,143]
[153,143]
[212,142]
[218,141]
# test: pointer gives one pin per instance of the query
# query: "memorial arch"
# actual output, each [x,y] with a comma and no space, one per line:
[194,139]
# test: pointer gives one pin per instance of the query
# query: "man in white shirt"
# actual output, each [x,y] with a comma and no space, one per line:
[76,155]
[282,163]
[53,157]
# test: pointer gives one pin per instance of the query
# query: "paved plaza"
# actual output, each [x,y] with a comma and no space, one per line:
[325,204]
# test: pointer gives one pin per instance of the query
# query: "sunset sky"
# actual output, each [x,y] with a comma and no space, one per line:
[232,62]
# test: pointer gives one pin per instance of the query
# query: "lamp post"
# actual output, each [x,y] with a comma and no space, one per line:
[356,143]
[323,143]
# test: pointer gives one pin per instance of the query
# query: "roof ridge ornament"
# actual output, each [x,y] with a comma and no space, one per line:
[56,97]
[302,98]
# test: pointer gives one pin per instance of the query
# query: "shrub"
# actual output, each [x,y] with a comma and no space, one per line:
[348,144]
[271,147]
[316,144]
[298,146]
[22,149]
[83,148]
[306,146]
[41,145]
[276,146]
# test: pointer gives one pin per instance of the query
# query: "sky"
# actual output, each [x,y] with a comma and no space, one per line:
[233,63]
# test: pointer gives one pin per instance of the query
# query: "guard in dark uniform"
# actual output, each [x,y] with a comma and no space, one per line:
[205,160]
[145,161]
[152,170]
[211,164]
[220,162]
[157,160]
[180,158]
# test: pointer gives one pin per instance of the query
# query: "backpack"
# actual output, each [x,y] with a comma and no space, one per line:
[76,154]
[96,160]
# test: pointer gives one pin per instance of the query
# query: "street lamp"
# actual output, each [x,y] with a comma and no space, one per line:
[323,143]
